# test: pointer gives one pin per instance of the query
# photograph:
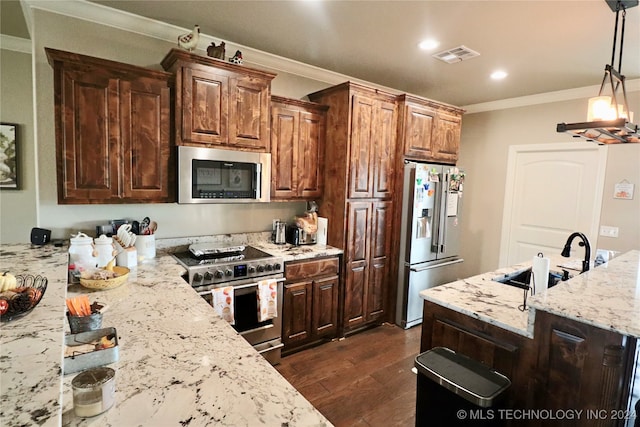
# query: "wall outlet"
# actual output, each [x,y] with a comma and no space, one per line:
[608,231]
[273,225]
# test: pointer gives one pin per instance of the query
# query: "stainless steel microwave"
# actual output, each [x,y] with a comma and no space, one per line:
[212,175]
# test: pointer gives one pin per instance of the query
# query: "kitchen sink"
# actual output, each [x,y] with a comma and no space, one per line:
[521,278]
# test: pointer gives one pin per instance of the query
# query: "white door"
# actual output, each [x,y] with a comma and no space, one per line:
[551,191]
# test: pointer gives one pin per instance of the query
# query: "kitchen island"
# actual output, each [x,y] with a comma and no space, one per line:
[179,363]
[572,347]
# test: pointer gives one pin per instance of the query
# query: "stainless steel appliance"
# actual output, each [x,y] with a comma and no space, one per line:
[211,175]
[212,266]
[430,234]
[297,236]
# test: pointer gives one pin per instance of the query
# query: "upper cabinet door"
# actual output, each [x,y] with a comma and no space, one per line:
[385,149]
[249,113]
[447,142]
[145,135]
[298,130]
[203,113]
[284,152]
[87,134]
[311,154]
[361,152]
[418,130]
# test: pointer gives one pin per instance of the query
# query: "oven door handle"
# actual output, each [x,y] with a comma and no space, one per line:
[271,348]
[261,328]
[248,285]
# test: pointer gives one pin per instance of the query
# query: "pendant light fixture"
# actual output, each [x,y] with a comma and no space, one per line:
[609,120]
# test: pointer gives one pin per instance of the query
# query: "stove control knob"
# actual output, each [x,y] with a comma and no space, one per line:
[228,273]
[277,266]
[260,268]
[208,276]
[218,274]
[252,269]
[197,277]
[269,267]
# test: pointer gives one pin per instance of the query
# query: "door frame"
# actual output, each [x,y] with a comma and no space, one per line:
[509,194]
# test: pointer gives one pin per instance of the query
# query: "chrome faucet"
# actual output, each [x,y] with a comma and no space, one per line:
[587,249]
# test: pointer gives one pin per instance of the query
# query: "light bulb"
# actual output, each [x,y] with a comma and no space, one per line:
[600,108]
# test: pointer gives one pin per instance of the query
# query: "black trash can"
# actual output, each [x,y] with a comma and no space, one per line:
[455,390]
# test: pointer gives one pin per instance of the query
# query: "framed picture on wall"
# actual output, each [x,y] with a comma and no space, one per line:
[8,156]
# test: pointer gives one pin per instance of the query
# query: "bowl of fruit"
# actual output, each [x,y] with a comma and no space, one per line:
[20,294]
[108,277]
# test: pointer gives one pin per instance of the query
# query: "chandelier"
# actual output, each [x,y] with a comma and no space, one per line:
[609,120]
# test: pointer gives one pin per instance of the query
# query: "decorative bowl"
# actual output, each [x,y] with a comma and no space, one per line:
[28,293]
[122,274]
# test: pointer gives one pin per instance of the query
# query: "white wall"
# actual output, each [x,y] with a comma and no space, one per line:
[18,207]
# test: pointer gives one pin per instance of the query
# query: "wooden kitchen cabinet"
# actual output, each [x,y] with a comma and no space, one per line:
[297,149]
[367,263]
[430,131]
[310,305]
[567,365]
[218,103]
[359,165]
[112,131]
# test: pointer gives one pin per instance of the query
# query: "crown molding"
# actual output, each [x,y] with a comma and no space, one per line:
[103,15]
[16,44]
[544,98]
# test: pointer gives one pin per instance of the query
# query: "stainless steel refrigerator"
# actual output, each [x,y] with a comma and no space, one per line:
[430,235]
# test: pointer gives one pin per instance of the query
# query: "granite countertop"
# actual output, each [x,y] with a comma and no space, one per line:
[179,363]
[607,296]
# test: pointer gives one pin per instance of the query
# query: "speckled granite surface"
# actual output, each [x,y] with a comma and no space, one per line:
[179,363]
[258,240]
[607,296]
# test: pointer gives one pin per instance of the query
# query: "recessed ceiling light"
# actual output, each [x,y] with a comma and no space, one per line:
[499,75]
[428,44]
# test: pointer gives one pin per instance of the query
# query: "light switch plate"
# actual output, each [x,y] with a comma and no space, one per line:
[608,231]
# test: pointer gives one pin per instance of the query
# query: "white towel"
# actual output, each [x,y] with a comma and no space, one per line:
[223,303]
[267,299]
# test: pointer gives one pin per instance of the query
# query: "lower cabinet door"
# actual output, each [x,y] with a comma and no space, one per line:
[297,312]
[325,307]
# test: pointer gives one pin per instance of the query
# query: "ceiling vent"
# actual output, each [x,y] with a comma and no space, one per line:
[456,54]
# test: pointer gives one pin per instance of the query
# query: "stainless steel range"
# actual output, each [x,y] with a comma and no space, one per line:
[210,267]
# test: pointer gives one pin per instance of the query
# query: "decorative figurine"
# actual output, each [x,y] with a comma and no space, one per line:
[237,58]
[216,51]
[189,41]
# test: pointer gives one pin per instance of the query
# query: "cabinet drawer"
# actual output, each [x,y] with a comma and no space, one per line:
[315,268]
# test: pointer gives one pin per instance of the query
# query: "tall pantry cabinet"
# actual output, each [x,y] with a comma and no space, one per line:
[358,200]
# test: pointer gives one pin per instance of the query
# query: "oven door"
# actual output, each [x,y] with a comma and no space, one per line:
[265,337]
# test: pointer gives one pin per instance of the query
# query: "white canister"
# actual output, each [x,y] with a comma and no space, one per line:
[105,249]
[323,225]
[127,257]
[146,246]
[81,252]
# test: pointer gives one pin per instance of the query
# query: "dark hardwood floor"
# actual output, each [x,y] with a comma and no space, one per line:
[362,380]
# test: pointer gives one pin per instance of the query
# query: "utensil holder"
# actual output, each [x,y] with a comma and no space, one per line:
[84,323]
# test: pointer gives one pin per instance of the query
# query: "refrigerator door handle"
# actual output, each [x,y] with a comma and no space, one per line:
[442,221]
[455,261]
